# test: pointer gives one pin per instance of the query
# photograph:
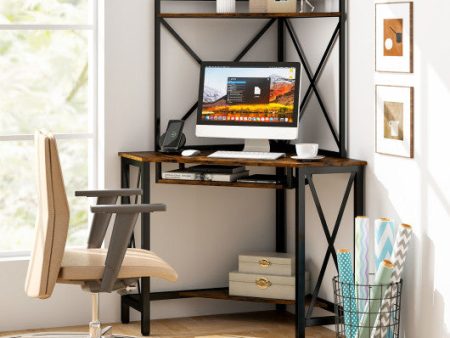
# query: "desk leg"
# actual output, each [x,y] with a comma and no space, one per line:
[145,244]
[280,223]
[300,322]
[359,192]
[280,216]
[124,183]
[358,200]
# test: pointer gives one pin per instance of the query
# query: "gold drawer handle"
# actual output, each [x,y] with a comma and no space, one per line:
[263,283]
[264,263]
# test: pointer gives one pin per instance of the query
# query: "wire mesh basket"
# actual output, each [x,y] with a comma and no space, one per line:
[367,311]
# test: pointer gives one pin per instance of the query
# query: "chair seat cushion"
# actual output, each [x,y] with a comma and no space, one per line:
[89,264]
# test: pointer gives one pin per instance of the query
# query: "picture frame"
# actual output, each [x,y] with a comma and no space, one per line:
[394,50]
[394,120]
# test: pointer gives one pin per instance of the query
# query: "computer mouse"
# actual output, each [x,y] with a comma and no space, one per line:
[190,152]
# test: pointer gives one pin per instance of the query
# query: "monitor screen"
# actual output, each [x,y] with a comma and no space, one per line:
[249,94]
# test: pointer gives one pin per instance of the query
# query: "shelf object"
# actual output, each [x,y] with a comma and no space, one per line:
[223,184]
[246,15]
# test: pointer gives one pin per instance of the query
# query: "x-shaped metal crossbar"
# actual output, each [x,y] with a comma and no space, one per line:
[199,60]
[331,238]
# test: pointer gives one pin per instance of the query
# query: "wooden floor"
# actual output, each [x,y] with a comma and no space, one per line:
[250,325]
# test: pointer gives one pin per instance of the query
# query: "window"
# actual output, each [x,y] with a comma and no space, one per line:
[48,80]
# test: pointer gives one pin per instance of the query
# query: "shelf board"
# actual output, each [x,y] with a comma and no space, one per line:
[325,315]
[245,15]
[224,295]
[223,184]
[220,293]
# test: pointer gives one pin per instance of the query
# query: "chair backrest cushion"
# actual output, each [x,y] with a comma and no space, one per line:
[52,221]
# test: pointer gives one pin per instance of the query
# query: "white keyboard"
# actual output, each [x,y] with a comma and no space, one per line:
[246,155]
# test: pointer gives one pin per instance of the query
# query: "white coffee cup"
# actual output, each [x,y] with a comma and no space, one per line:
[306,150]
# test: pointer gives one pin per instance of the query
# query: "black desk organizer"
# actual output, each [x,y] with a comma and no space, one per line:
[285,30]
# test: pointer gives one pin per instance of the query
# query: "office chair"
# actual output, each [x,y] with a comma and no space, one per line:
[96,269]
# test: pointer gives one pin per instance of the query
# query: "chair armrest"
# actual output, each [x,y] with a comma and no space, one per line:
[128,208]
[108,192]
[124,223]
[100,222]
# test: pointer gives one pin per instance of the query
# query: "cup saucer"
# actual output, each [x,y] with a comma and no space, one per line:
[310,158]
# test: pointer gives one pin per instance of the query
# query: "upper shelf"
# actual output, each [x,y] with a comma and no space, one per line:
[245,15]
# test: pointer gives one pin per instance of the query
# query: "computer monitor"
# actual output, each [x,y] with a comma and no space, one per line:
[249,100]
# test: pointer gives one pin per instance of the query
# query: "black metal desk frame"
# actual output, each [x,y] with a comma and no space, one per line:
[300,177]
[297,177]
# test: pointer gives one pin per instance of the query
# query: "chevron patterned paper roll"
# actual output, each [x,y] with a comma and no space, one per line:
[382,278]
[362,225]
[384,240]
[399,257]
[345,271]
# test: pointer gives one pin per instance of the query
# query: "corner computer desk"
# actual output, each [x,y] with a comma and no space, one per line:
[296,175]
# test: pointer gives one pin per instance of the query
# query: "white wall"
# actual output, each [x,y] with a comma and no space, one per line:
[414,191]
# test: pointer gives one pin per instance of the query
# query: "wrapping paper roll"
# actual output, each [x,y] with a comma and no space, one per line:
[382,278]
[399,257]
[362,226]
[344,258]
[384,240]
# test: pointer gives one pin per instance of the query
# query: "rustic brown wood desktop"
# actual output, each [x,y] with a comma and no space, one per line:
[296,176]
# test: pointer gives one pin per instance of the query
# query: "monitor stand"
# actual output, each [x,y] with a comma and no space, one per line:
[252,145]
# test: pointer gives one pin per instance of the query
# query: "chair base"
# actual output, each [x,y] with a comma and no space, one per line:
[95,328]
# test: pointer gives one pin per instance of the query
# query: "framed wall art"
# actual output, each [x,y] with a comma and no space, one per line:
[394,37]
[395,121]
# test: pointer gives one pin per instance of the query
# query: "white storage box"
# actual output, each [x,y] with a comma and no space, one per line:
[281,6]
[267,263]
[257,6]
[264,286]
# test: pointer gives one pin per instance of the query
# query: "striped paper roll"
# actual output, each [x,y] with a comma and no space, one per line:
[362,225]
[225,6]
[384,240]
[348,292]
[382,278]
[399,257]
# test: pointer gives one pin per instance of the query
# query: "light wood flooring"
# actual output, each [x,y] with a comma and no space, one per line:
[249,325]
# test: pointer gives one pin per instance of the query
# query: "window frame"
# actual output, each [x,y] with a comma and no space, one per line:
[92,136]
